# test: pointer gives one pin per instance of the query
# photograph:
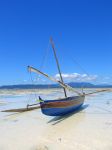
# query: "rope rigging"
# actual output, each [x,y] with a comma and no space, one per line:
[45,56]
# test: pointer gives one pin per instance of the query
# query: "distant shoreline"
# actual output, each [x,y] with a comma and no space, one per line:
[44,86]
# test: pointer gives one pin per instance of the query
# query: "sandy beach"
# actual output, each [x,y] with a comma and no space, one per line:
[88,129]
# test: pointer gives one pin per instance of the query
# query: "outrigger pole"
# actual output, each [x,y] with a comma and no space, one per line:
[54,50]
[98,91]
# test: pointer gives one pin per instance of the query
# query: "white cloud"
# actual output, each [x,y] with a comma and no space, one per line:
[107,78]
[25,80]
[70,77]
[104,80]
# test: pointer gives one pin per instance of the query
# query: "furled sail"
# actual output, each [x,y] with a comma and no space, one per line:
[32,69]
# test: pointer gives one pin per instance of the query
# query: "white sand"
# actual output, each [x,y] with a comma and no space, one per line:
[89,129]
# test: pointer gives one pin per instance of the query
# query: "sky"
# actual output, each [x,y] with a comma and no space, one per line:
[81,30]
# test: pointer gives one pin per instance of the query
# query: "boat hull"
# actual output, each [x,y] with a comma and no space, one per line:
[62,106]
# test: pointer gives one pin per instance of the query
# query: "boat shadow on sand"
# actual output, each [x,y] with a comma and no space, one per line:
[58,119]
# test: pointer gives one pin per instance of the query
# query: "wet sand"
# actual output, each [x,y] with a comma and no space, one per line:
[88,129]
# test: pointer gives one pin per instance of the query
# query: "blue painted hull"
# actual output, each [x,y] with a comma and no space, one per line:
[61,107]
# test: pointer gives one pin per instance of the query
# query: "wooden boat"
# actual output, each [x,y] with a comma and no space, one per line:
[60,106]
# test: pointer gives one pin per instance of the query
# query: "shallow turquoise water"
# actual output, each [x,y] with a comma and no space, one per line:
[19,99]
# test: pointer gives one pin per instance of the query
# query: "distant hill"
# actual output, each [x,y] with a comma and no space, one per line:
[81,84]
[43,86]
[89,85]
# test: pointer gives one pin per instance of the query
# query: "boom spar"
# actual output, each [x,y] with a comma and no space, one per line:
[32,69]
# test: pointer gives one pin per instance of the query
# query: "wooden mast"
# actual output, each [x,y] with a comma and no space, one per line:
[52,43]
